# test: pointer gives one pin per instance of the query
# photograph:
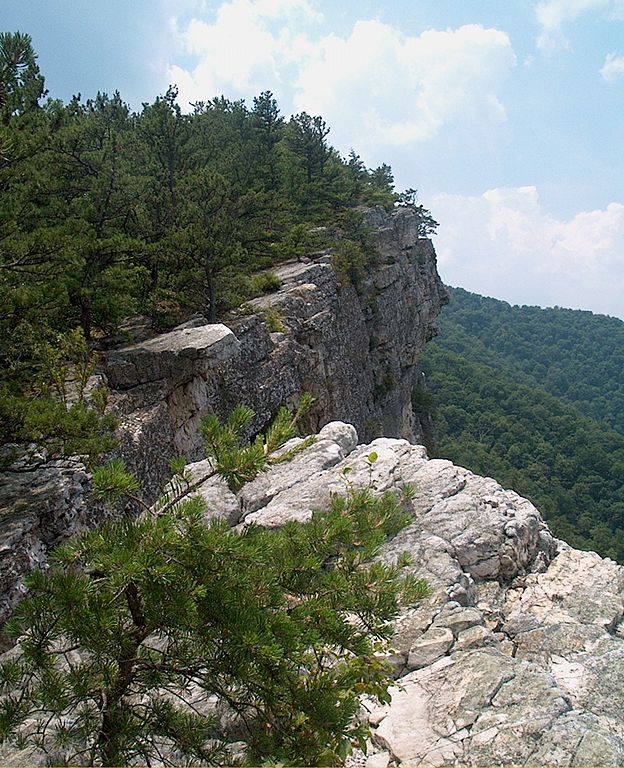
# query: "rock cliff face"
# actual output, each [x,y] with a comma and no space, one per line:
[39,502]
[354,350]
[517,658]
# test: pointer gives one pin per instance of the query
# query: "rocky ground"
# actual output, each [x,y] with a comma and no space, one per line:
[517,658]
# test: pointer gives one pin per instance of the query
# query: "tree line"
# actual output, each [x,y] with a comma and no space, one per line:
[108,212]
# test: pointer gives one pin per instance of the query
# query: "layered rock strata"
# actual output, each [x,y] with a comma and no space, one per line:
[39,502]
[42,503]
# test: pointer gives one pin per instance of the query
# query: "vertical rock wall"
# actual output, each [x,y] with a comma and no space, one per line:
[354,348]
[41,503]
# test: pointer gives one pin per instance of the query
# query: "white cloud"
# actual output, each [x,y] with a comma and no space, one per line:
[613,68]
[384,88]
[553,15]
[375,86]
[243,51]
[504,244]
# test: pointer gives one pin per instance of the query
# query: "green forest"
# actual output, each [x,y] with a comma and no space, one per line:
[534,398]
[109,213]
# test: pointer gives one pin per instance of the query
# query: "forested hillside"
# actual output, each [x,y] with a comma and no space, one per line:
[107,213]
[492,376]
[574,355]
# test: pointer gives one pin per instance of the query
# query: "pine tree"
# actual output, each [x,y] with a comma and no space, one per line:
[163,638]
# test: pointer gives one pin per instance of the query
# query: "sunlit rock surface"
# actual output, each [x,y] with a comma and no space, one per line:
[518,655]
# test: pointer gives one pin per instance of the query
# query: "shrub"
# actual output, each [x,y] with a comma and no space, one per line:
[274,320]
[265,282]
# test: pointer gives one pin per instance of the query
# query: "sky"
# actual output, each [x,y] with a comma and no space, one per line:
[507,116]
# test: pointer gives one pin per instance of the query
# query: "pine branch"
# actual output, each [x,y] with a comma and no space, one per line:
[170,504]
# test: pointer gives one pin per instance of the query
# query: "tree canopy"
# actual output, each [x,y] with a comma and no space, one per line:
[574,355]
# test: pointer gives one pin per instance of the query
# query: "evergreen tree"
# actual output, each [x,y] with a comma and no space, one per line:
[106,214]
[21,82]
[146,635]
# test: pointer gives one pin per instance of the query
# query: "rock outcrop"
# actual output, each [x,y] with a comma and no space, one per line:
[355,350]
[39,502]
[518,655]
[42,503]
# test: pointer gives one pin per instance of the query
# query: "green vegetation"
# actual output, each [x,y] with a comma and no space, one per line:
[167,639]
[575,356]
[107,213]
[56,409]
[492,376]
[274,320]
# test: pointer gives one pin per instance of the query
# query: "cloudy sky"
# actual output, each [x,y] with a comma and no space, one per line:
[508,117]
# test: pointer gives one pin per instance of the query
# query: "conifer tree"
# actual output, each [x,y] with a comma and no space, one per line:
[166,639]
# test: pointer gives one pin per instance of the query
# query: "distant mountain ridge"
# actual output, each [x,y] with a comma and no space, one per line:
[534,398]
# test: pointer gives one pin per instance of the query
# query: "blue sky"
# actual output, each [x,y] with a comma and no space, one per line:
[508,117]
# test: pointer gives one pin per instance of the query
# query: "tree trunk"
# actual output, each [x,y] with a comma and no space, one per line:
[108,742]
[211,288]
[86,316]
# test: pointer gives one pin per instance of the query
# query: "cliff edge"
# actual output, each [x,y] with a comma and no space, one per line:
[517,656]
[355,349]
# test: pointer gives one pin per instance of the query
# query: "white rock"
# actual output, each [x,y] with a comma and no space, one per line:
[429,647]
[378,760]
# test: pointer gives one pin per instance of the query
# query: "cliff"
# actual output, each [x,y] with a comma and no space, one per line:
[354,349]
[517,656]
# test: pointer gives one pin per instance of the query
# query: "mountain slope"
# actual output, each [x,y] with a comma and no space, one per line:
[491,416]
[574,355]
